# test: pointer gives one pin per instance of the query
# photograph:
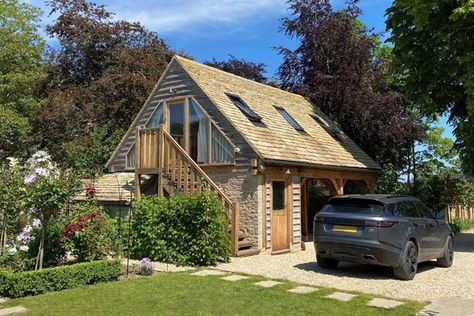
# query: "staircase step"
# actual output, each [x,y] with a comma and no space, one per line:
[248,252]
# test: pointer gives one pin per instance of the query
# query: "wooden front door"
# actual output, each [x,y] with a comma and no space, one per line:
[280,217]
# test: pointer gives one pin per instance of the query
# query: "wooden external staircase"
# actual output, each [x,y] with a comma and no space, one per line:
[172,170]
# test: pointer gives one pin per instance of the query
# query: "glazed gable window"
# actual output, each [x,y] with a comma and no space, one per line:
[193,130]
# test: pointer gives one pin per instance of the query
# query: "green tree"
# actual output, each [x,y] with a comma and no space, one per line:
[98,78]
[433,45]
[21,50]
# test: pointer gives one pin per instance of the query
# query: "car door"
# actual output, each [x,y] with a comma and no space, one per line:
[433,228]
[416,227]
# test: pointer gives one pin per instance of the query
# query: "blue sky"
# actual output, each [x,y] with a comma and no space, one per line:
[207,29]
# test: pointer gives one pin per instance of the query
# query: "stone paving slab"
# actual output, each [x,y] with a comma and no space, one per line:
[208,272]
[3,300]
[384,303]
[340,296]
[12,310]
[303,290]
[267,283]
[449,306]
[234,277]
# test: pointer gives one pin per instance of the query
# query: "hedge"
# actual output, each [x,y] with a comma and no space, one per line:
[58,278]
[186,229]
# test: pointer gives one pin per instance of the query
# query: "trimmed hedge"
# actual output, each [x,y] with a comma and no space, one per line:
[186,229]
[58,278]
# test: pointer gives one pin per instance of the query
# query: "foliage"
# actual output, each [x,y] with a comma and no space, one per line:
[98,78]
[54,248]
[240,67]
[12,202]
[459,225]
[462,192]
[20,69]
[59,278]
[433,44]
[339,68]
[433,191]
[87,154]
[389,181]
[47,192]
[145,267]
[185,294]
[16,259]
[89,232]
[184,229]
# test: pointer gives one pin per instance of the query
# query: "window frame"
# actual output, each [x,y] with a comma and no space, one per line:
[212,123]
[290,119]
[251,115]
[336,134]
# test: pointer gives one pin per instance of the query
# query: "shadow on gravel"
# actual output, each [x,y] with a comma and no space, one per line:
[464,242]
[367,272]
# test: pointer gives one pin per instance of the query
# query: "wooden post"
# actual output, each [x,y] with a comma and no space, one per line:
[161,147]
[137,164]
[304,209]
[235,228]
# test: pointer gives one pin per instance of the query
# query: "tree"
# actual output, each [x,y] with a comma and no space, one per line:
[241,67]
[21,50]
[336,67]
[98,79]
[433,44]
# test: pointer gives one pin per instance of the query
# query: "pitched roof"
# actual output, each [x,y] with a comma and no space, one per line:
[276,140]
[114,187]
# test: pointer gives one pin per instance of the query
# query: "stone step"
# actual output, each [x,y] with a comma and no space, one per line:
[248,252]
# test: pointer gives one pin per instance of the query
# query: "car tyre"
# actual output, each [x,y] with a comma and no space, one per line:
[408,265]
[447,259]
[327,263]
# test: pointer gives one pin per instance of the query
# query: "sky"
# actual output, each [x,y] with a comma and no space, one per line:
[207,29]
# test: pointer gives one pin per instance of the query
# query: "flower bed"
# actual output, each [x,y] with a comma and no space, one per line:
[59,278]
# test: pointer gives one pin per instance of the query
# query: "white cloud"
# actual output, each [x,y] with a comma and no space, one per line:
[166,16]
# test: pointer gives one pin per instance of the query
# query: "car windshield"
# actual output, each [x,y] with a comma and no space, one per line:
[354,207]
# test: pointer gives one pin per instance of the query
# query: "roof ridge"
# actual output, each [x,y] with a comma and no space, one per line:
[234,75]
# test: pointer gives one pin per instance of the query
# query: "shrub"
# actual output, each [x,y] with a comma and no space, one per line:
[89,233]
[54,248]
[59,278]
[183,229]
[459,225]
[146,267]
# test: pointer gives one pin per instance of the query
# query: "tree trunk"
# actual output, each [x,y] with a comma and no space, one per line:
[39,258]
[3,238]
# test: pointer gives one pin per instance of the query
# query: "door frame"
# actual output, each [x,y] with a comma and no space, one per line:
[288,210]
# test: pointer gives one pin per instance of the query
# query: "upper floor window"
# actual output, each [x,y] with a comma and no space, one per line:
[244,108]
[289,119]
[192,129]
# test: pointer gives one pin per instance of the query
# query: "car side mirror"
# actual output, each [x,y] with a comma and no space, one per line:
[439,216]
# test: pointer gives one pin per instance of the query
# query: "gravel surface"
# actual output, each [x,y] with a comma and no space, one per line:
[430,283]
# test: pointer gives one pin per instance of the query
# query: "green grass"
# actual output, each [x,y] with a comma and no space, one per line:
[186,294]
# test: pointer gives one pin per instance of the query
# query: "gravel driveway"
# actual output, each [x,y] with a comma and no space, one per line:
[429,284]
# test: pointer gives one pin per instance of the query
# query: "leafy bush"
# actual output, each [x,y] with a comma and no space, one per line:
[183,229]
[459,225]
[54,248]
[89,233]
[59,278]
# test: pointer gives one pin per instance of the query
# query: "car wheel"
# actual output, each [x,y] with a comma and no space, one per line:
[447,259]
[327,263]
[408,265]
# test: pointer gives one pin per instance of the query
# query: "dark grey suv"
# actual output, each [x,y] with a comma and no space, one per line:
[395,231]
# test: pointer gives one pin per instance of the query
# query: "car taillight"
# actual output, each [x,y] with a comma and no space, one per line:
[370,223]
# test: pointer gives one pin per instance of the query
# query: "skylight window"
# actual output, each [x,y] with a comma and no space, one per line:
[334,132]
[244,108]
[289,119]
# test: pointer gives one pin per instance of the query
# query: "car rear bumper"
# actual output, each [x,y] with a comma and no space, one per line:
[357,250]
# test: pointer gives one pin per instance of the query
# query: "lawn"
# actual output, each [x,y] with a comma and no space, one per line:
[186,294]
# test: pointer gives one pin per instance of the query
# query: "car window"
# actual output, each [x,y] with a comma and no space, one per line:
[425,210]
[408,209]
[353,206]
